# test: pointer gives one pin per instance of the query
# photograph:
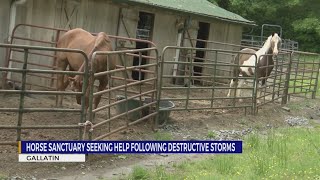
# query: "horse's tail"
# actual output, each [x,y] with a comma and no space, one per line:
[102,39]
[77,78]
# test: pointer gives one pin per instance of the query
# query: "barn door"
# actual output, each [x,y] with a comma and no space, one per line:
[66,14]
[203,35]
[127,27]
[144,31]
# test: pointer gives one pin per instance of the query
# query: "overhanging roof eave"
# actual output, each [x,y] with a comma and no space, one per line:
[246,23]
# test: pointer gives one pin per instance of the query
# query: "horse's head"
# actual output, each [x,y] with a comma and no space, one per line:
[275,43]
[76,83]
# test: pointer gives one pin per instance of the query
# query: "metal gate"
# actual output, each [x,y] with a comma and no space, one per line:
[276,87]
[216,75]
[304,74]
[293,73]
[40,62]
[257,41]
[35,36]
[48,37]
[128,101]
[22,105]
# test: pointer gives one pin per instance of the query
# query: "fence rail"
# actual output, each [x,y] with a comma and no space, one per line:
[130,106]
[304,74]
[46,60]
[22,109]
[257,41]
[136,90]
[195,97]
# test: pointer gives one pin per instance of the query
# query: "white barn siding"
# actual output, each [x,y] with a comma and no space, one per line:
[102,15]
[4,21]
[38,13]
[165,33]
[88,15]
[225,33]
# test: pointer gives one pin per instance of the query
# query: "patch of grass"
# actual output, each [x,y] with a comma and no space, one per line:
[315,125]
[243,121]
[162,136]
[289,153]
[160,173]
[2,177]
[302,86]
[139,173]
[258,126]
[305,62]
[99,178]
[211,135]
[299,105]
[224,164]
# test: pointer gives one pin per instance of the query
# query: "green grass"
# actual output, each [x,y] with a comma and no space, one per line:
[292,153]
[162,136]
[3,177]
[301,105]
[306,83]
[211,135]
[139,173]
[304,63]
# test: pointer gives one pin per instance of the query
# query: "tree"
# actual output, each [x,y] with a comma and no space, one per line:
[299,19]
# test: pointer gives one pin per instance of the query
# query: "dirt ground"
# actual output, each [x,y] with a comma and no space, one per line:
[181,125]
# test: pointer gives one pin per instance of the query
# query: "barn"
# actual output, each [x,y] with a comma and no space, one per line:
[164,22]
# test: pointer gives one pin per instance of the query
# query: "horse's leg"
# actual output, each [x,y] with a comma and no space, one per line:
[61,84]
[259,90]
[241,81]
[102,85]
[103,82]
[78,98]
[232,84]
[258,95]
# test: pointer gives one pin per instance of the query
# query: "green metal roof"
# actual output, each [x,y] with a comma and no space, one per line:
[196,7]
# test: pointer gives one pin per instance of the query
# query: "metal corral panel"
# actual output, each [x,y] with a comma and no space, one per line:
[93,16]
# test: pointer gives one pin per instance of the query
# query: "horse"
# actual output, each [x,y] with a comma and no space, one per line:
[80,39]
[264,63]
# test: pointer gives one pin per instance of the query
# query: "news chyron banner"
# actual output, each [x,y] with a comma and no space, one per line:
[76,151]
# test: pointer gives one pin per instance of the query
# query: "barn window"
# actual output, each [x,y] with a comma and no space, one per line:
[203,34]
[145,25]
[144,31]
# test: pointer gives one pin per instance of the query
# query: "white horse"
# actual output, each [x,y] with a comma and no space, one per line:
[264,63]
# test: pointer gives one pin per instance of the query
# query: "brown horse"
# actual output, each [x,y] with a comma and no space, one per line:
[264,63]
[85,41]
